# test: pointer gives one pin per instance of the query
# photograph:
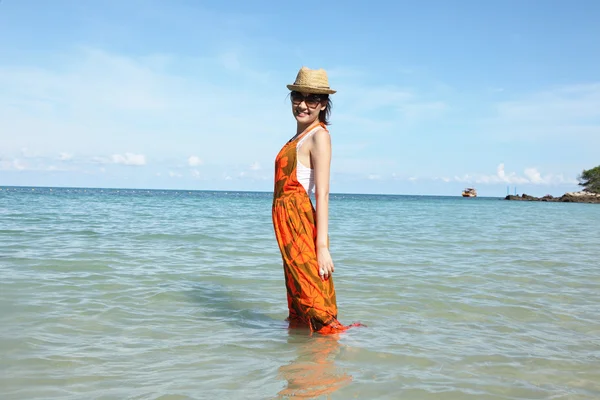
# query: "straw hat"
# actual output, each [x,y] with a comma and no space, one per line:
[311,81]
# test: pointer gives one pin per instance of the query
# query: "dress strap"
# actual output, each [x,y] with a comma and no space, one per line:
[310,133]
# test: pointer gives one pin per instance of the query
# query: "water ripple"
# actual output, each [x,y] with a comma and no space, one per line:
[179,295]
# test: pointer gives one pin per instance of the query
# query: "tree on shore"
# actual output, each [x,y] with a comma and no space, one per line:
[590,180]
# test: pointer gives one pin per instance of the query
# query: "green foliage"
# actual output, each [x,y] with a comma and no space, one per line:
[590,179]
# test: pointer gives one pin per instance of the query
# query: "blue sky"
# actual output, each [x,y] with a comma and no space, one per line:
[433,96]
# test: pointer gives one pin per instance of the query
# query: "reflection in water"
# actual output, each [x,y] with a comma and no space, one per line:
[313,373]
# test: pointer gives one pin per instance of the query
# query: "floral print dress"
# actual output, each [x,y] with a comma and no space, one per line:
[311,300]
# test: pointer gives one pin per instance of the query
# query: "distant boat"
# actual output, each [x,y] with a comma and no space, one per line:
[469,192]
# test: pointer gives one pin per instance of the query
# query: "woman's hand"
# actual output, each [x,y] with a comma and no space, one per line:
[325,263]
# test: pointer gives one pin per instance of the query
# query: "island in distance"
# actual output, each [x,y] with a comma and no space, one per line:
[570,197]
[589,179]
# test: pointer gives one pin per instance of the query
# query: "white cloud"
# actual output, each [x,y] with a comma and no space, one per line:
[502,176]
[175,174]
[401,105]
[534,175]
[28,153]
[33,164]
[129,159]
[558,104]
[368,98]
[65,156]
[195,173]
[500,171]
[531,176]
[101,160]
[374,177]
[194,161]
[570,111]
[55,101]
[13,165]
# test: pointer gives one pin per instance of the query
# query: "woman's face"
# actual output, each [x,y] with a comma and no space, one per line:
[306,106]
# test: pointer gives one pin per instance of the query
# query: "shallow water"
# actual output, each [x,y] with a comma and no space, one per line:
[131,294]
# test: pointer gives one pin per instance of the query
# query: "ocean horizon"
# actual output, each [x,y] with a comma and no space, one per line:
[226,191]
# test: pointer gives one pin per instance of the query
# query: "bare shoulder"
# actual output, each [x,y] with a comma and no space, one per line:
[321,138]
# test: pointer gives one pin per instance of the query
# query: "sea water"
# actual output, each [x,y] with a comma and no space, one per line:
[149,294]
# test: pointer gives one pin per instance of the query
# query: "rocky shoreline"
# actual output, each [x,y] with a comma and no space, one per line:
[570,197]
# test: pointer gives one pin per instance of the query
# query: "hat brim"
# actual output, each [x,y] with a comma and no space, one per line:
[311,89]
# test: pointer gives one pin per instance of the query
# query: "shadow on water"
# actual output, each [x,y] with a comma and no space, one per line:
[220,303]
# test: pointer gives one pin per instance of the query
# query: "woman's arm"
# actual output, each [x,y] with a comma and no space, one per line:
[321,162]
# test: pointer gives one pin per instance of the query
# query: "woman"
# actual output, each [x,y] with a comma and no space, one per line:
[302,166]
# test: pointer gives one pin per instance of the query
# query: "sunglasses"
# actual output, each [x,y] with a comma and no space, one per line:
[311,100]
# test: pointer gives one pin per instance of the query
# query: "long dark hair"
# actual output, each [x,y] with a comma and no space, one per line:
[326,113]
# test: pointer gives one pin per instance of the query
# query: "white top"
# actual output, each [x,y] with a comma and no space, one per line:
[305,175]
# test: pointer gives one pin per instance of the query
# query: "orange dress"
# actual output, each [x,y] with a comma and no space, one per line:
[311,300]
